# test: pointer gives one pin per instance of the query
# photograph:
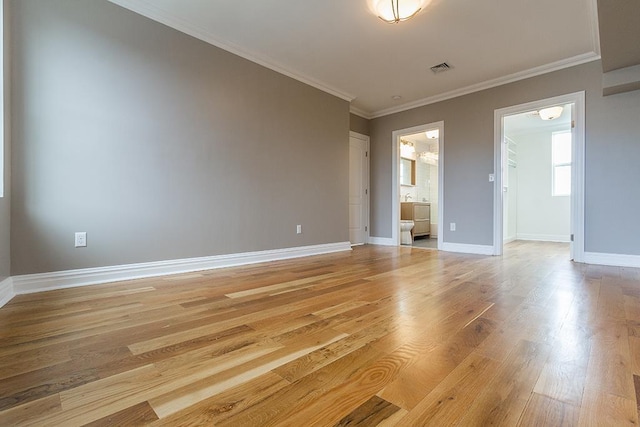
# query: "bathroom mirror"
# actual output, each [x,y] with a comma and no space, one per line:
[407,171]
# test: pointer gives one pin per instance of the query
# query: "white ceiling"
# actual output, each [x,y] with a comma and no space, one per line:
[341,47]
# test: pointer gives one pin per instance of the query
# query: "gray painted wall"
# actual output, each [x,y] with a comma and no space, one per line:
[161,146]
[359,124]
[5,202]
[612,154]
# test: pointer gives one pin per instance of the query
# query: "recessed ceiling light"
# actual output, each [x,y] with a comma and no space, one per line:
[396,97]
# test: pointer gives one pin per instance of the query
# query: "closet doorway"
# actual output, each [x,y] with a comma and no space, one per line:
[540,181]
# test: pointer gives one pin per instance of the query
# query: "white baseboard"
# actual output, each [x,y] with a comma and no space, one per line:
[6,291]
[30,283]
[616,260]
[467,249]
[509,240]
[382,241]
[562,238]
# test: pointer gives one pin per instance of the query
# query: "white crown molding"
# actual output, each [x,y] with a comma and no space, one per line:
[6,291]
[145,8]
[532,72]
[467,249]
[359,112]
[595,26]
[30,283]
[616,260]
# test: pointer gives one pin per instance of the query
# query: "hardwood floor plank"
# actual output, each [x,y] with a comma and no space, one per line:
[545,411]
[371,413]
[636,383]
[300,393]
[136,415]
[610,368]
[603,409]
[335,404]
[562,381]
[228,403]
[418,379]
[179,399]
[452,397]
[505,396]
[634,350]
[23,414]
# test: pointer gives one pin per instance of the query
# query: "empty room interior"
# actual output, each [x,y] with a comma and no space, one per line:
[363,212]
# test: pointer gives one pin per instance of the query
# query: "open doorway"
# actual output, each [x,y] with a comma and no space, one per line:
[417,183]
[537,175]
[539,193]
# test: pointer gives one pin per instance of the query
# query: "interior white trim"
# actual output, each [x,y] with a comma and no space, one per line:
[577,170]
[145,8]
[616,260]
[395,191]
[544,237]
[30,283]
[358,112]
[467,249]
[6,291]
[382,241]
[536,71]
[595,27]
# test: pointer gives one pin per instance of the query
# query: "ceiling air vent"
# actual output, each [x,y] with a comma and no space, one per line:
[440,68]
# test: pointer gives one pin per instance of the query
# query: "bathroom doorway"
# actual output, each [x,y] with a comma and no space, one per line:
[539,193]
[418,186]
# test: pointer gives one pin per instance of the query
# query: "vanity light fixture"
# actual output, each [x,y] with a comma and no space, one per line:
[394,11]
[550,113]
[407,149]
[408,145]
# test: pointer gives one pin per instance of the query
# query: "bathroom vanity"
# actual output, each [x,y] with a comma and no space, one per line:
[420,214]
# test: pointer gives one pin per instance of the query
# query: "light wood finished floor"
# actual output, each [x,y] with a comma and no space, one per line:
[377,336]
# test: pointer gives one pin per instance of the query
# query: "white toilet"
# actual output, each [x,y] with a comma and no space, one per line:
[406,225]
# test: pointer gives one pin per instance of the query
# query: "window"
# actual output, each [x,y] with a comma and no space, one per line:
[561,160]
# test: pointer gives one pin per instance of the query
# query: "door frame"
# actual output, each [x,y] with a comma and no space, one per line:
[366,178]
[395,186]
[577,169]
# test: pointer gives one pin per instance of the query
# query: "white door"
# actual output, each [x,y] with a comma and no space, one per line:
[358,190]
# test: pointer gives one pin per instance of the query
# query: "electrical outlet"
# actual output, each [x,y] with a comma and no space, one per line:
[452,226]
[492,177]
[81,239]
[298,229]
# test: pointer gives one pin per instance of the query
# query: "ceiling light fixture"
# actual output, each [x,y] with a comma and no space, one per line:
[433,134]
[394,11]
[550,113]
